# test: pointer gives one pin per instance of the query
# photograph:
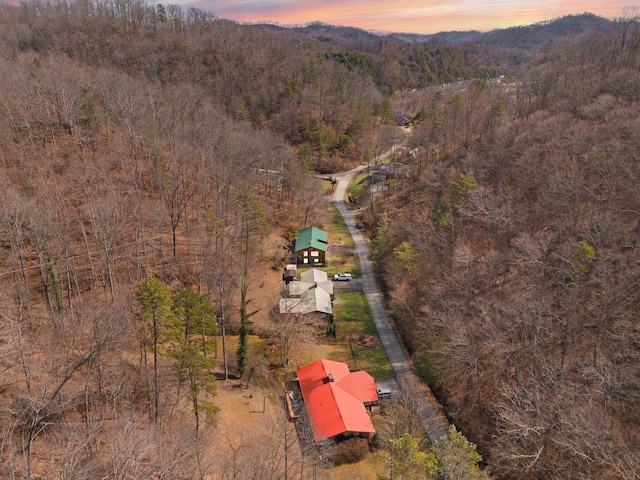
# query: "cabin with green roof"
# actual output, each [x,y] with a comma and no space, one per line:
[311,246]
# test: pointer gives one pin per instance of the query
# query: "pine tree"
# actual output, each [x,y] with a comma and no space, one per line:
[196,314]
[156,312]
[194,323]
[458,457]
[245,329]
[408,461]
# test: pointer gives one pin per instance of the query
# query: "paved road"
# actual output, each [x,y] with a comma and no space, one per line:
[432,415]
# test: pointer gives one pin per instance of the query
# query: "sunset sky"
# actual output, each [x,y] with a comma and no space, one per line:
[410,16]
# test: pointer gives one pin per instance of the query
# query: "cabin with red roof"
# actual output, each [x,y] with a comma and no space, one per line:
[337,399]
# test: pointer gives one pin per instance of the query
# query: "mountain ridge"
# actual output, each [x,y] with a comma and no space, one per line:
[527,37]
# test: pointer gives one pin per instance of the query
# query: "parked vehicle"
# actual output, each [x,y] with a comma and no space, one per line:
[342,277]
[383,392]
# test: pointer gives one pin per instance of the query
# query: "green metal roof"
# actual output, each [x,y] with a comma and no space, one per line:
[312,237]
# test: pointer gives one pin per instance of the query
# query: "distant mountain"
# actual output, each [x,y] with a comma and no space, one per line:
[503,48]
[323,32]
[446,37]
[529,38]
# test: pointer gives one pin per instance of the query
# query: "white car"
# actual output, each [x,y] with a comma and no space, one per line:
[383,392]
[342,277]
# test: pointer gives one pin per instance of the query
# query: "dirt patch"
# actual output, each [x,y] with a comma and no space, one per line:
[367,341]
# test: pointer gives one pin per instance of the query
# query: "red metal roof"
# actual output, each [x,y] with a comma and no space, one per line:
[336,406]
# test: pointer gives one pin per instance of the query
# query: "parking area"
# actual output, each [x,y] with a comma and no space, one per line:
[355,284]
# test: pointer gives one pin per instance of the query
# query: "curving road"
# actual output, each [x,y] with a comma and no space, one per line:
[434,420]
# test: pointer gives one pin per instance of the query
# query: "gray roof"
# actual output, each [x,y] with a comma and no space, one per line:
[297,288]
[314,275]
[312,300]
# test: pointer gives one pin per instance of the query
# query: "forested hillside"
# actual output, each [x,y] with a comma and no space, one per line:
[511,261]
[141,142]
[319,95]
[135,144]
[525,38]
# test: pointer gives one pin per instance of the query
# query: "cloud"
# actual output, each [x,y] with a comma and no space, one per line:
[418,16]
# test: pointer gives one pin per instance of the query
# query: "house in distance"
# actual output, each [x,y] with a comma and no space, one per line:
[311,246]
[336,399]
[313,304]
[314,278]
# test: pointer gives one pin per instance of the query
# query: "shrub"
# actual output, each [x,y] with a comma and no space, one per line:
[351,450]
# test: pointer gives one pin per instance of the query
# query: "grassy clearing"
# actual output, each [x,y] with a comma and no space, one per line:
[341,259]
[343,262]
[338,232]
[374,361]
[359,185]
[370,468]
[327,186]
[352,313]
[355,329]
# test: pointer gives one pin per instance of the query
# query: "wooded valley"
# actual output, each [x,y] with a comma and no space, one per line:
[154,142]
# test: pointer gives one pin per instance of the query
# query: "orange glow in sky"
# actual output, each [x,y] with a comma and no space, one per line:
[410,16]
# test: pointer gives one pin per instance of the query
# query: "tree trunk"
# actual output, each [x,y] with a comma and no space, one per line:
[224,345]
[155,369]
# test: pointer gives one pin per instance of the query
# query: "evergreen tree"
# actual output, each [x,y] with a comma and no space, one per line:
[381,238]
[196,314]
[194,323]
[196,370]
[408,461]
[156,312]
[245,329]
[458,457]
